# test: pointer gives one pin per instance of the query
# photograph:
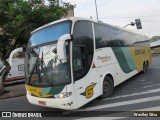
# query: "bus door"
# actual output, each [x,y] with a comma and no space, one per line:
[86,76]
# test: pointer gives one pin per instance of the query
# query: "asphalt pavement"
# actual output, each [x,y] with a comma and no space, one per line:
[14,89]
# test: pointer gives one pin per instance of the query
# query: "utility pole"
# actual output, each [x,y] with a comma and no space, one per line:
[96,9]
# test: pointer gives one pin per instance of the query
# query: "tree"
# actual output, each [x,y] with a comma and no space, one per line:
[18,19]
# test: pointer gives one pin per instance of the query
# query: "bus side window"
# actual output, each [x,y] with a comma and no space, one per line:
[83,48]
[116,36]
[79,62]
[79,59]
[102,36]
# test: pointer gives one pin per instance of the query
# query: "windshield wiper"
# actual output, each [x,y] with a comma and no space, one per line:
[32,70]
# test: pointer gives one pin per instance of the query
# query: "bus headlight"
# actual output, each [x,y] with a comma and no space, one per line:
[63,95]
[28,93]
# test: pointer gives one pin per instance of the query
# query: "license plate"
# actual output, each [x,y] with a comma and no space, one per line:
[42,102]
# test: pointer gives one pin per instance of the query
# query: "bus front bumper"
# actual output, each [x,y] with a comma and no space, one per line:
[61,103]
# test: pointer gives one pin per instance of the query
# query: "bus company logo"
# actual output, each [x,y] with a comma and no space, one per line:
[104,59]
[89,91]
[139,51]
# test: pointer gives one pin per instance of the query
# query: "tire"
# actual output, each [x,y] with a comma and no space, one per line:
[147,65]
[107,87]
[145,68]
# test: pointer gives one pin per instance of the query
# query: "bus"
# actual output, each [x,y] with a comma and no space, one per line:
[72,61]
[16,61]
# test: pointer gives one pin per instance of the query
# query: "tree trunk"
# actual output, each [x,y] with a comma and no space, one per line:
[4,73]
[2,84]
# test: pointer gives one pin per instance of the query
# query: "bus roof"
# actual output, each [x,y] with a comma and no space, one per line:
[74,19]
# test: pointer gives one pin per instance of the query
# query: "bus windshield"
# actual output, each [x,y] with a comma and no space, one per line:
[49,34]
[44,68]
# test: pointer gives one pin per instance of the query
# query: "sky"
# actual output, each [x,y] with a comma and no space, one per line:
[122,12]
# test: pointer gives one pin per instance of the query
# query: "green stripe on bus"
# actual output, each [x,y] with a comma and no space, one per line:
[124,58]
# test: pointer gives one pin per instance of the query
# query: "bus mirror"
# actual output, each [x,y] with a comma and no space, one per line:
[61,47]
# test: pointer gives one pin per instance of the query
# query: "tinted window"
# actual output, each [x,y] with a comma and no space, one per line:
[102,36]
[141,41]
[79,57]
[113,37]
[108,37]
[116,37]
[82,48]
[126,38]
[132,39]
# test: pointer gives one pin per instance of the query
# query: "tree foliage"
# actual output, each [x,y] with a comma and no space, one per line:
[20,17]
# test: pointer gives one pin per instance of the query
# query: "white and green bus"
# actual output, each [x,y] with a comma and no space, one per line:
[72,61]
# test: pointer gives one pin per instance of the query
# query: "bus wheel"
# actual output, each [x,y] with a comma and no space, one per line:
[107,87]
[144,67]
[147,65]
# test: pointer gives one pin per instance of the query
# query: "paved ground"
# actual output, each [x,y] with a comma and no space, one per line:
[14,90]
